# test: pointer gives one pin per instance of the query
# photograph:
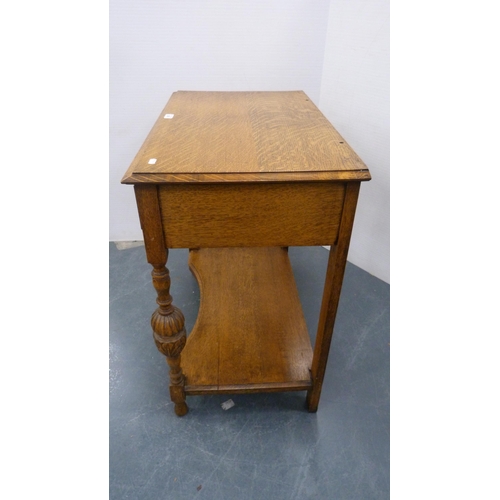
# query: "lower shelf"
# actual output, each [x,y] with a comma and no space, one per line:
[250,335]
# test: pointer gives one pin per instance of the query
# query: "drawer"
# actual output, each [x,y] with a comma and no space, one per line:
[251,214]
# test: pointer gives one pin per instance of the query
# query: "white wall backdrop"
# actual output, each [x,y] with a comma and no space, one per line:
[335,51]
[157,48]
[355,98]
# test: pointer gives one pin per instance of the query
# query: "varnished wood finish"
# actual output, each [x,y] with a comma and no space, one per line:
[331,294]
[167,321]
[148,206]
[342,175]
[250,335]
[219,134]
[170,336]
[230,171]
[222,215]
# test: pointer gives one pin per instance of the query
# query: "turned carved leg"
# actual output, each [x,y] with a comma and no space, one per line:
[167,321]
[170,336]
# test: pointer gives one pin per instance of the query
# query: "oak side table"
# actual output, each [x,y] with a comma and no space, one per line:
[237,178]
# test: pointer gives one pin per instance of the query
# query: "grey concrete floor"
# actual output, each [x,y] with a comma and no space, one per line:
[267,446]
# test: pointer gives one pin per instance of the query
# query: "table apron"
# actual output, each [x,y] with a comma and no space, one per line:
[251,214]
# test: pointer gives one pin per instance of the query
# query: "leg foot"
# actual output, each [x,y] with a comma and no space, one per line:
[181,409]
[311,402]
[177,394]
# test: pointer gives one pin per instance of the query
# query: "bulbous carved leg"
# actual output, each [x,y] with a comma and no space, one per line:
[170,336]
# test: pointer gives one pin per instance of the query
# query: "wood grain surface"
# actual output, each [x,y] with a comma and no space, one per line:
[226,133]
[251,214]
[254,177]
[167,320]
[331,294]
[250,334]
[238,177]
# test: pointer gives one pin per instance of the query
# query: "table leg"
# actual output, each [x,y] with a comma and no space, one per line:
[167,321]
[331,294]
[170,336]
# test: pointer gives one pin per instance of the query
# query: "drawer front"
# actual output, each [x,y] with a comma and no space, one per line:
[257,214]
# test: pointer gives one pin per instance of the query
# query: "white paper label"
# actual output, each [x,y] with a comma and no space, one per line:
[168,116]
[152,161]
[227,404]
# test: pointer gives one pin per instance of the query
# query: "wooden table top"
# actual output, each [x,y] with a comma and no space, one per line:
[243,137]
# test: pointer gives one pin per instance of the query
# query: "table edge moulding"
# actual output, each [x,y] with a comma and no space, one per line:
[237,178]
